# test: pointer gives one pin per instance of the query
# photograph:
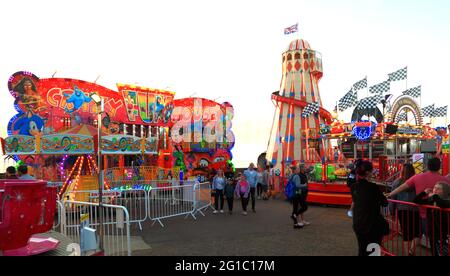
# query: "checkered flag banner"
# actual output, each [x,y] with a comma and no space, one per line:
[440,112]
[428,111]
[360,84]
[310,109]
[413,92]
[350,99]
[401,117]
[380,88]
[399,75]
[370,102]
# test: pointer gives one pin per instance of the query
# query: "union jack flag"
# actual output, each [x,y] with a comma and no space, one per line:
[292,29]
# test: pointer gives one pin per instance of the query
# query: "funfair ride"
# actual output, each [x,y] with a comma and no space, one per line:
[305,133]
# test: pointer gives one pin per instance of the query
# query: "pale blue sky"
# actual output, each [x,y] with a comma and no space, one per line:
[229,49]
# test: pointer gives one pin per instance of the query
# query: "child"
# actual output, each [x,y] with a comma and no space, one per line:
[437,222]
[243,191]
[229,194]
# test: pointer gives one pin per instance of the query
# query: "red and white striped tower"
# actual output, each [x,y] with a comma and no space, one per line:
[302,70]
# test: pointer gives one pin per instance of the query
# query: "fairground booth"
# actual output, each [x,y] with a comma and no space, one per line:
[59,122]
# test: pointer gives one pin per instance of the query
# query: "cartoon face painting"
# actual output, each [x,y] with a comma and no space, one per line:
[29,125]
[77,99]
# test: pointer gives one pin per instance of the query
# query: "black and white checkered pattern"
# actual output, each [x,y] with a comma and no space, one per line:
[350,99]
[310,109]
[413,92]
[381,88]
[401,117]
[370,102]
[360,84]
[399,75]
[428,111]
[440,112]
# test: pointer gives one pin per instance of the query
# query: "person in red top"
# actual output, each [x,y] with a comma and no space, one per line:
[425,180]
[422,182]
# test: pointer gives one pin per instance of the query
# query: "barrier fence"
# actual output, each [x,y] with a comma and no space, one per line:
[416,230]
[203,198]
[166,202]
[116,225]
[155,200]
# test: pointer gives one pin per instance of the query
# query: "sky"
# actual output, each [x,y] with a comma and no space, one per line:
[226,50]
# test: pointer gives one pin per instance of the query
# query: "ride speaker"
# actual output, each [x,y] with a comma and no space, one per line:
[391,129]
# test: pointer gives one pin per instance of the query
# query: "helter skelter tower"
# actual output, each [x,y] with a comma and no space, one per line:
[295,138]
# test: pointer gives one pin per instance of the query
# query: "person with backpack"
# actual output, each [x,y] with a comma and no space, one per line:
[293,192]
[303,195]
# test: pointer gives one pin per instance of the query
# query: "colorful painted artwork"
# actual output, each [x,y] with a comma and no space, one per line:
[67,143]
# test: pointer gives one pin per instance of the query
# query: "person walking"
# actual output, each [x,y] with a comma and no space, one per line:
[252,177]
[219,182]
[303,195]
[242,191]
[229,194]
[296,200]
[369,224]
[259,177]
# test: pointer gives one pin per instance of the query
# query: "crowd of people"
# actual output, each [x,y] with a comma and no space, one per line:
[252,184]
[429,188]
[255,183]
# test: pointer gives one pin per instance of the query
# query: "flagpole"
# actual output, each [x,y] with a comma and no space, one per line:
[367,86]
[337,111]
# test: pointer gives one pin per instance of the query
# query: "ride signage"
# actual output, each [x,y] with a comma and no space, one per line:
[409,130]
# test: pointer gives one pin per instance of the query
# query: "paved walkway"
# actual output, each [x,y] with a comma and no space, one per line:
[268,232]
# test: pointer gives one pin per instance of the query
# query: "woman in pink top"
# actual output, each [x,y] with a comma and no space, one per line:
[243,191]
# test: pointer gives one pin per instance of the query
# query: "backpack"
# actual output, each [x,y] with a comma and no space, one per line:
[290,189]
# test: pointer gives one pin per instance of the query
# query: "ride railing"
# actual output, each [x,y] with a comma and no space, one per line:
[416,230]
[116,225]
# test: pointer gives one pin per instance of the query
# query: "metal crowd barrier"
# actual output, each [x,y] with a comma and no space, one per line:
[134,200]
[155,200]
[172,201]
[58,217]
[416,230]
[203,198]
[116,225]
